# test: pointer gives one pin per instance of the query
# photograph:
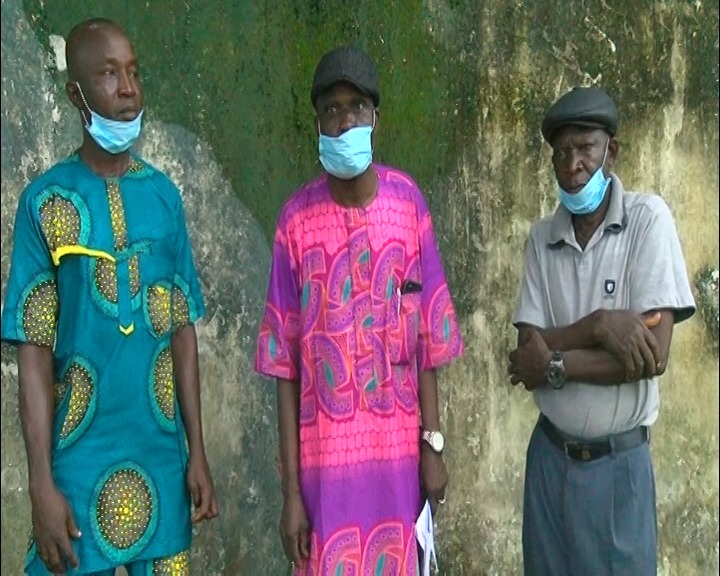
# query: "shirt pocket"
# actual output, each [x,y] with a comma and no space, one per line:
[156,268]
[157,258]
[402,320]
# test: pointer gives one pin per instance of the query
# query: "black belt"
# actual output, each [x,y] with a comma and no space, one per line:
[587,451]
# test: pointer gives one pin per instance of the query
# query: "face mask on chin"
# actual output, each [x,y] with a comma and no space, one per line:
[348,155]
[589,197]
[113,136]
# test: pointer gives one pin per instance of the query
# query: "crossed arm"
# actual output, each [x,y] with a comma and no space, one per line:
[606,347]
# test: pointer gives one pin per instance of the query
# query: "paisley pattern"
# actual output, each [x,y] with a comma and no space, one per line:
[342,553]
[442,334]
[384,551]
[336,321]
[332,376]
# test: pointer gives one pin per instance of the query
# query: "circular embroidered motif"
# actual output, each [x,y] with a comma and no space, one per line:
[124,515]
[178,565]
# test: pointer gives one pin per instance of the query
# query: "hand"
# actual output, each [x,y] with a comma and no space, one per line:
[200,486]
[528,363]
[627,336]
[295,530]
[433,476]
[53,528]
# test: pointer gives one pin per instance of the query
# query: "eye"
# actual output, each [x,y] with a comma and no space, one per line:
[559,155]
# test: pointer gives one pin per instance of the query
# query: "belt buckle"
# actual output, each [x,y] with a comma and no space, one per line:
[585,455]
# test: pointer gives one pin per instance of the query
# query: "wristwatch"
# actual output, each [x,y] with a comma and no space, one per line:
[435,439]
[556,371]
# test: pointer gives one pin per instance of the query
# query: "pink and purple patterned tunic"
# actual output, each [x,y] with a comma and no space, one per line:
[357,304]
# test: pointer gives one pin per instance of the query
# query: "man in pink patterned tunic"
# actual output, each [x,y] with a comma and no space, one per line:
[358,317]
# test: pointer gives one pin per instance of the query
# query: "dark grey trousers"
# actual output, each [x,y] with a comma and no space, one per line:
[592,518]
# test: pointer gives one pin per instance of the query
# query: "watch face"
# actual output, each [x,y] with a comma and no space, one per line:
[555,372]
[555,377]
[438,442]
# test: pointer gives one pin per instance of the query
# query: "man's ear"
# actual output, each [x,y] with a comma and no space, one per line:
[377,119]
[613,148]
[73,93]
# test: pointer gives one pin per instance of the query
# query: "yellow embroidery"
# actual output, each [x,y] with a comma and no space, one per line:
[124,508]
[127,330]
[76,249]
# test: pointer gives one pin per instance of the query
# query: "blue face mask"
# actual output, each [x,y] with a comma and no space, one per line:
[589,197]
[348,155]
[113,136]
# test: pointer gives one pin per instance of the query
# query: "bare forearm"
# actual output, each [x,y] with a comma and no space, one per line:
[612,346]
[36,387]
[580,334]
[593,366]
[187,380]
[288,407]
[429,400]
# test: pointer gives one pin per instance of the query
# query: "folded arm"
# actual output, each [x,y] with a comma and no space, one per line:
[607,347]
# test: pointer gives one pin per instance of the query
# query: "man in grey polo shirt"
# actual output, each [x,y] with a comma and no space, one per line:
[603,285]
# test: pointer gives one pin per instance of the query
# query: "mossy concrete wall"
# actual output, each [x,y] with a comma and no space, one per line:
[464,87]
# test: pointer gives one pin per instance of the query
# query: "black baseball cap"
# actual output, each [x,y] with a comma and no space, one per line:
[346,64]
[582,106]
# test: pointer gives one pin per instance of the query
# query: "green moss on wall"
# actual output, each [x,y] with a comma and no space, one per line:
[239,75]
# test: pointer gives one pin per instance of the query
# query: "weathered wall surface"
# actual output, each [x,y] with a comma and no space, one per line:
[464,86]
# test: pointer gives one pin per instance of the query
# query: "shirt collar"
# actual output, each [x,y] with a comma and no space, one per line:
[561,228]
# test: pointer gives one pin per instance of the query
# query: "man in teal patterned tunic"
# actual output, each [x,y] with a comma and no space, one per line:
[101,302]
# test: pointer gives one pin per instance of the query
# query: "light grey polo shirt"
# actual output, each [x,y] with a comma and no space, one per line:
[633,261]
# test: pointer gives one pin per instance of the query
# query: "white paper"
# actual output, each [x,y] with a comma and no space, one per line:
[425,534]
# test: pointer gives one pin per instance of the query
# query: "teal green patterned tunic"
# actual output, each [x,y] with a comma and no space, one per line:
[102,272]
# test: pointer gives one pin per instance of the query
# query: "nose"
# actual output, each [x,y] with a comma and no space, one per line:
[573,162]
[127,85]
[348,120]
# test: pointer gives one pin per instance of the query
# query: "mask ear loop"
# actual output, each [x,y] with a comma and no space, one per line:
[87,122]
[607,146]
[373,124]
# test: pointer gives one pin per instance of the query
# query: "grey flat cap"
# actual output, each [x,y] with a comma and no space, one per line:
[346,64]
[590,107]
